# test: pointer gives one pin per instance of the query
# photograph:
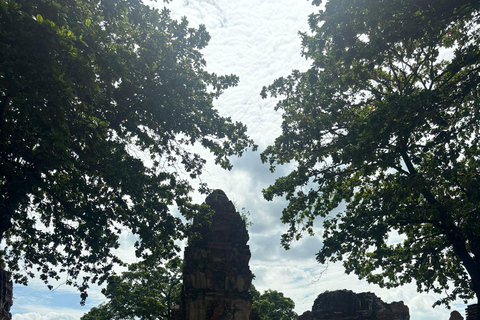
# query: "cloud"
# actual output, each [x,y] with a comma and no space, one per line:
[256,40]
[48,316]
[36,301]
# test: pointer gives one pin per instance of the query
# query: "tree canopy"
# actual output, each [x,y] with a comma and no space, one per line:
[99,103]
[146,291]
[383,131]
[272,305]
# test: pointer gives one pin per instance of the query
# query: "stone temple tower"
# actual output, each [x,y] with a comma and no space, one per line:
[216,276]
[6,295]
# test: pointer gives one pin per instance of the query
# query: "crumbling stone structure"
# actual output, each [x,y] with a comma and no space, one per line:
[6,295]
[473,312]
[216,275]
[347,305]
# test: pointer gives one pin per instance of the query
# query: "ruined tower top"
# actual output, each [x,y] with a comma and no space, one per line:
[216,197]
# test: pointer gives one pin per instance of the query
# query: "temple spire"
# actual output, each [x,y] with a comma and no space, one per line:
[216,276]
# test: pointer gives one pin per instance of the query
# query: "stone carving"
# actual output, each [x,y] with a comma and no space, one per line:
[216,275]
[6,295]
[347,305]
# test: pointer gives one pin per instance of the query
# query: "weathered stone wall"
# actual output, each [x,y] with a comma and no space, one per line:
[473,312]
[216,276]
[6,295]
[347,305]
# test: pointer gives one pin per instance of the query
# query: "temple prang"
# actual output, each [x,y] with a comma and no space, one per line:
[216,275]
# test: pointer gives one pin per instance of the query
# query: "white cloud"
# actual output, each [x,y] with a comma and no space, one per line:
[47,316]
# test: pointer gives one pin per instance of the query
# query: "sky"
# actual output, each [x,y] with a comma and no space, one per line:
[258,41]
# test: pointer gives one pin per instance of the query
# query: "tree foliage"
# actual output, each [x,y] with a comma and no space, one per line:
[146,291]
[383,130]
[99,103]
[272,305]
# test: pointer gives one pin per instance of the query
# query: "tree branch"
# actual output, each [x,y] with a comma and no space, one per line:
[454,236]
[3,108]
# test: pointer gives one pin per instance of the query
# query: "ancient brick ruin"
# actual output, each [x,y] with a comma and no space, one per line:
[216,276]
[347,305]
[6,295]
[473,312]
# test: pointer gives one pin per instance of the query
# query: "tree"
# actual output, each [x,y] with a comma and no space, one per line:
[98,313]
[145,291]
[99,103]
[272,305]
[383,130]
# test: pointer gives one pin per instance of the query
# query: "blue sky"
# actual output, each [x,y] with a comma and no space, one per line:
[258,41]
